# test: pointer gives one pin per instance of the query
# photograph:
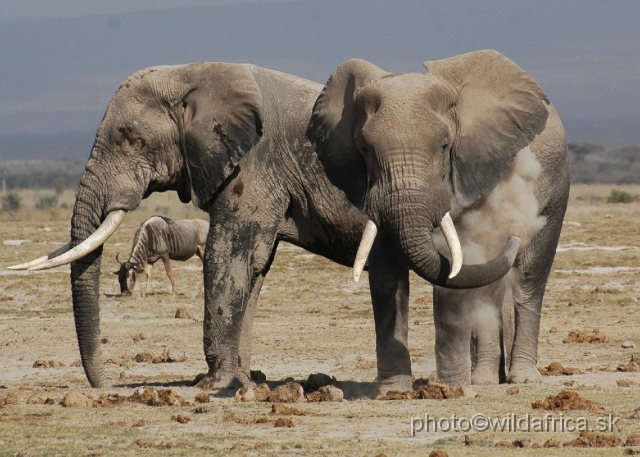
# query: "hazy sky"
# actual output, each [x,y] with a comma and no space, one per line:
[62,60]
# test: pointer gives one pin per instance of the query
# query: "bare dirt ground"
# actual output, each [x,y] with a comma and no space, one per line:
[311,318]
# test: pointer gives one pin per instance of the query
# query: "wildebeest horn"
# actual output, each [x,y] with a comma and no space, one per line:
[118,260]
[39,260]
[96,239]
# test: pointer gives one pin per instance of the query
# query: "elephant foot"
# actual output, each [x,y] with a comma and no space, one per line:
[523,372]
[484,375]
[216,382]
[402,383]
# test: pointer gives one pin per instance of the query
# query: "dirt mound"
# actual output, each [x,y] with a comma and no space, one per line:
[203,397]
[632,367]
[593,439]
[182,313]
[77,400]
[9,399]
[284,422]
[168,356]
[432,390]
[317,380]
[326,393]
[576,336]
[566,400]
[260,393]
[280,409]
[291,392]
[48,364]
[151,397]
[556,369]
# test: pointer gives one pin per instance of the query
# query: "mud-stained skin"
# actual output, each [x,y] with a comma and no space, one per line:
[160,238]
[478,138]
[230,138]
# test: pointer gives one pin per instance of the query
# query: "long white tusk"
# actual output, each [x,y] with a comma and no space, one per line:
[449,232]
[368,237]
[96,239]
[39,260]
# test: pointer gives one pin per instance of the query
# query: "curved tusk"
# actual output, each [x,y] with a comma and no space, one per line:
[89,245]
[366,242]
[449,232]
[39,260]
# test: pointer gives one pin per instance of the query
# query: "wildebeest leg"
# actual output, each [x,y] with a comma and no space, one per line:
[167,268]
[147,270]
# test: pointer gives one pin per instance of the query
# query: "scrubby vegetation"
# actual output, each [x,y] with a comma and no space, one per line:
[593,163]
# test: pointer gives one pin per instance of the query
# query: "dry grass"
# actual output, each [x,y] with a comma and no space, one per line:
[311,318]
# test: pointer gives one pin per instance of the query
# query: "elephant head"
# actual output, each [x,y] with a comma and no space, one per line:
[182,128]
[406,143]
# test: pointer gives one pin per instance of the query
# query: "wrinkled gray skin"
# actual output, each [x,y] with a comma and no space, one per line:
[190,128]
[475,136]
[160,238]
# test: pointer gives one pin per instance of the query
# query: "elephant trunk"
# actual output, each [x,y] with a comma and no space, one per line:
[409,219]
[85,281]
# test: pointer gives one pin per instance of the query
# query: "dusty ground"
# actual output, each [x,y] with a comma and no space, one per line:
[311,318]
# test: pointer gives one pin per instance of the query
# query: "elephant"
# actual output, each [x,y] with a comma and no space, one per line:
[231,138]
[477,137]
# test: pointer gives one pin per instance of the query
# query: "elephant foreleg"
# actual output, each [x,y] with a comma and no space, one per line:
[534,267]
[389,285]
[235,263]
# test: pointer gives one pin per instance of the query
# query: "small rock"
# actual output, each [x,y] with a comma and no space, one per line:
[182,313]
[284,421]
[553,330]
[180,418]
[245,394]
[76,400]
[35,400]
[203,397]
[524,442]
[144,357]
[513,390]
[175,355]
[104,340]
[628,344]
[626,383]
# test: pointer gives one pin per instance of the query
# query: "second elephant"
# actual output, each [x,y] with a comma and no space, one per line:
[477,137]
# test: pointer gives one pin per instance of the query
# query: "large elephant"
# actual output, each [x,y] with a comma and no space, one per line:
[475,136]
[190,128]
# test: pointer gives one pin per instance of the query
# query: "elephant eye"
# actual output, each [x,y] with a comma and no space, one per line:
[444,144]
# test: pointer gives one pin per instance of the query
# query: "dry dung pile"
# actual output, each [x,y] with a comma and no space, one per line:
[593,439]
[556,369]
[632,367]
[583,337]
[566,400]
[432,390]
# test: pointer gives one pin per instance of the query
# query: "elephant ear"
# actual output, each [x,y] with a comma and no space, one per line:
[219,120]
[330,129]
[499,111]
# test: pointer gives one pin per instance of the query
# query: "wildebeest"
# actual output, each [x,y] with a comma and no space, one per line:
[160,238]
